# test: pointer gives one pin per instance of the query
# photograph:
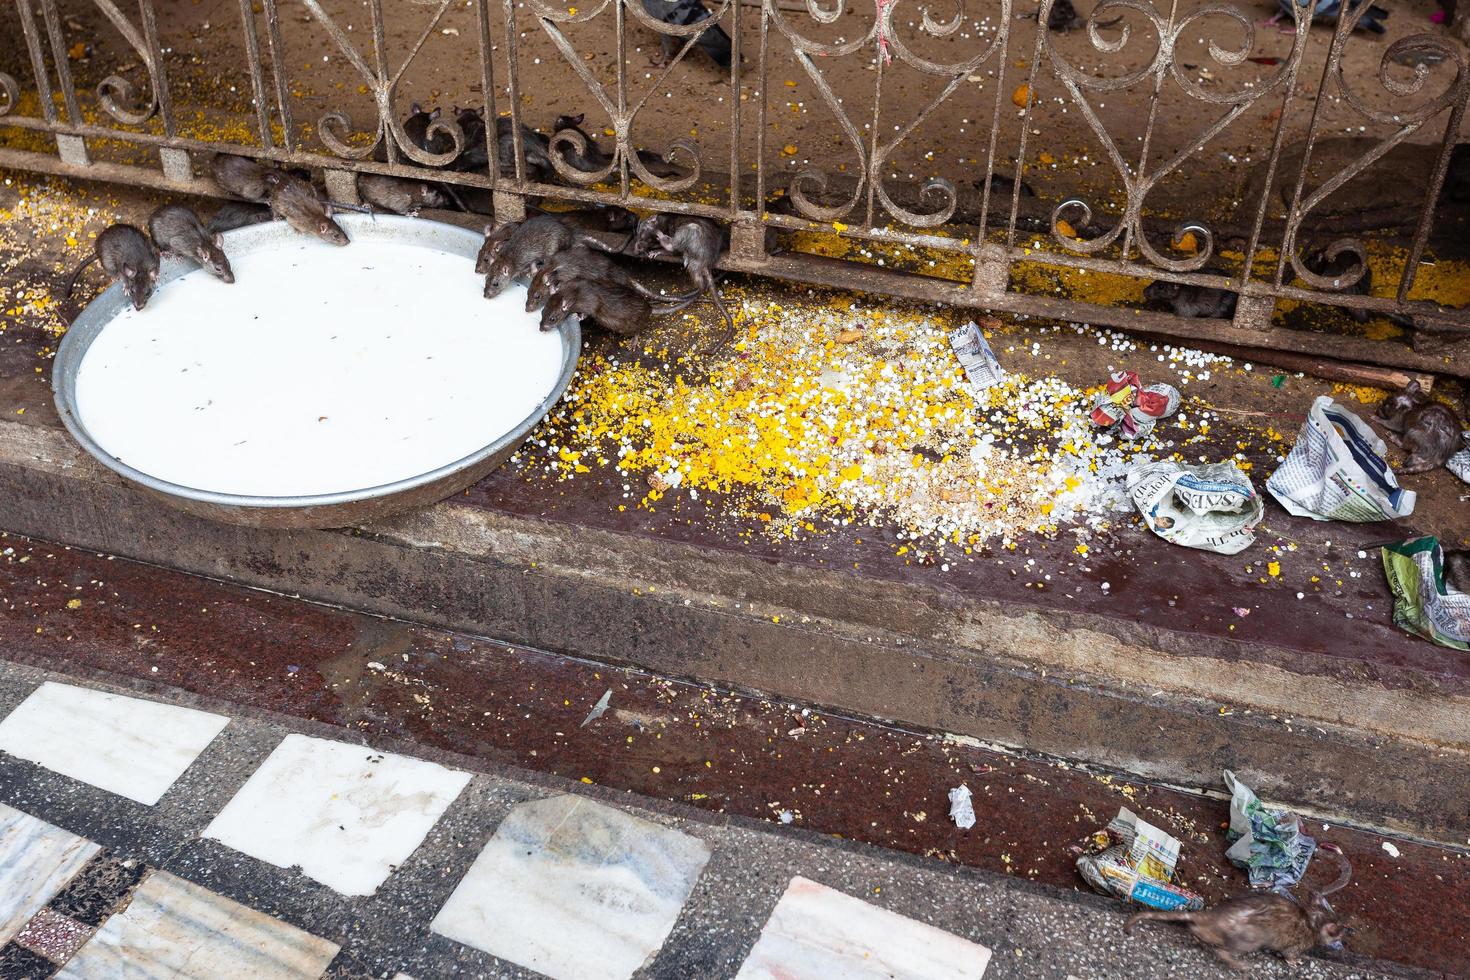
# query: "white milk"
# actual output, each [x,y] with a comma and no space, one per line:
[322,369]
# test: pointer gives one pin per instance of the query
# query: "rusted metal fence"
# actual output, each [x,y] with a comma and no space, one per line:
[998,233]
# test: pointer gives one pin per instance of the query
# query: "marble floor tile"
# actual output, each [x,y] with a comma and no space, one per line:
[574,889]
[53,935]
[175,930]
[819,933]
[345,814]
[127,746]
[36,860]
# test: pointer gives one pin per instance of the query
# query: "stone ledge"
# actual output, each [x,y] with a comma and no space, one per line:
[1372,743]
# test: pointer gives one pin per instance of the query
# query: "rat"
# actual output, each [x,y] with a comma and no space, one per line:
[610,306]
[398,195]
[1191,300]
[177,231]
[416,128]
[1427,431]
[617,218]
[294,200]
[241,176]
[1263,920]
[580,262]
[593,157]
[532,242]
[127,256]
[1318,263]
[234,214]
[1063,17]
[1457,570]
[698,242]
[495,239]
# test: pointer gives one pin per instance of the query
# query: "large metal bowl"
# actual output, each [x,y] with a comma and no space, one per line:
[316,510]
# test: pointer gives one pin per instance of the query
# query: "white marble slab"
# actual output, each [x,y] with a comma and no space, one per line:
[819,933]
[175,930]
[345,814]
[36,860]
[127,746]
[574,889]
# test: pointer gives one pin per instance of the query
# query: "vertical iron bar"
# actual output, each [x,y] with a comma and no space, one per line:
[487,83]
[257,74]
[375,12]
[1002,54]
[872,168]
[620,128]
[278,70]
[1134,207]
[736,177]
[38,60]
[514,69]
[160,73]
[1298,54]
[760,125]
[63,67]
[1288,232]
[1426,219]
[1041,15]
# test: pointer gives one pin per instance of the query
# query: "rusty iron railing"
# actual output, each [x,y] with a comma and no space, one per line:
[861,204]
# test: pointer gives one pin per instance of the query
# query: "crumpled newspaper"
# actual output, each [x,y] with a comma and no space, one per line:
[1336,471]
[982,370]
[1210,506]
[1423,603]
[1139,867]
[1268,842]
[1459,464]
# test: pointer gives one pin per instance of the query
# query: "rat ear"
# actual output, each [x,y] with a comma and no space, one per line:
[415,108]
[129,271]
[219,239]
[577,119]
[435,113]
[1413,387]
[664,240]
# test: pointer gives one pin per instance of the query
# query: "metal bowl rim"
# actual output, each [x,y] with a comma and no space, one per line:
[73,349]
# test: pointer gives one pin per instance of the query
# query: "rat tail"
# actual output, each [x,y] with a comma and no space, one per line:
[1138,917]
[685,301]
[653,297]
[71,284]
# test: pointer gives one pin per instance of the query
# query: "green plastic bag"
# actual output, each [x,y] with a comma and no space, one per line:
[1422,603]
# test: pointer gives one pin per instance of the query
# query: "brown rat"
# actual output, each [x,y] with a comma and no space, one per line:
[128,257]
[235,214]
[398,195]
[241,176]
[593,157]
[1457,569]
[1189,300]
[1263,921]
[697,242]
[608,305]
[177,231]
[1428,432]
[295,201]
[580,262]
[532,242]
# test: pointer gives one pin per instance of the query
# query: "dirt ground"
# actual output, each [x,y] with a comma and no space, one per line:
[203,42]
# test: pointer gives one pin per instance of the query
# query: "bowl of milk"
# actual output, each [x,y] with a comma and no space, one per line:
[326,386]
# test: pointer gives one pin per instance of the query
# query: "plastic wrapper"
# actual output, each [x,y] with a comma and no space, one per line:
[961,810]
[1139,867]
[1423,603]
[982,370]
[1336,471]
[1268,842]
[1212,506]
